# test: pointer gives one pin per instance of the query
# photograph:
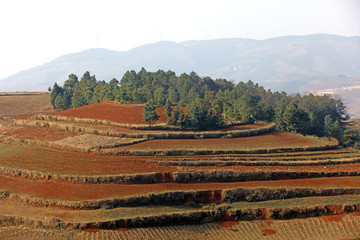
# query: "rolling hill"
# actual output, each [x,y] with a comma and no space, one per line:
[291,63]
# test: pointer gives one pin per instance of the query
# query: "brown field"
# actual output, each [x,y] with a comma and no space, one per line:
[64,162]
[36,133]
[274,140]
[76,192]
[44,183]
[295,229]
[74,163]
[266,218]
[24,105]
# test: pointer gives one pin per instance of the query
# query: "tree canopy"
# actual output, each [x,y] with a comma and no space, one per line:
[150,114]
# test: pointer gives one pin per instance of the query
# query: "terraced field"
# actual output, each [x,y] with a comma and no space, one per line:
[97,175]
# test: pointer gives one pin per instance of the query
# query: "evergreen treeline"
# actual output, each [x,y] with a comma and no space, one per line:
[209,102]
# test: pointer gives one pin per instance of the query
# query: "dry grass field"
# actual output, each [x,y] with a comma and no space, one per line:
[88,173]
[295,229]
[23,105]
[312,228]
[276,140]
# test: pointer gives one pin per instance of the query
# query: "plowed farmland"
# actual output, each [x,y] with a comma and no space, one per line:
[93,169]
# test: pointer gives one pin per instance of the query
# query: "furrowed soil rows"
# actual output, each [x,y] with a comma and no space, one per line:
[309,228]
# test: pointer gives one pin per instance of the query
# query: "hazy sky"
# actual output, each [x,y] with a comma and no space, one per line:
[33,32]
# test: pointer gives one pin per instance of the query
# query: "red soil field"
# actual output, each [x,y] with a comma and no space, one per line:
[65,162]
[114,112]
[66,191]
[37,133]
[276,140]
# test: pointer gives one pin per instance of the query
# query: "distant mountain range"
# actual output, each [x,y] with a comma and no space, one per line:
[291,64]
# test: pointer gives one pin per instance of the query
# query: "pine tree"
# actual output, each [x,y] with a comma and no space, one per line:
[296,119]
[54,93]
[246,108]
[195,116]
[78,99]
[336,132]
[168,111]
[149,114]
[180,118]
[60,102]
[328,125]
[159,96]
[176,114]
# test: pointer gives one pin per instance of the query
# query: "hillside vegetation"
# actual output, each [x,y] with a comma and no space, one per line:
[192,102]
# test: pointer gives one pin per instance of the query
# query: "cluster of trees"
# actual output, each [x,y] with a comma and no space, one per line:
[209,103]
[200,114]
[135,87]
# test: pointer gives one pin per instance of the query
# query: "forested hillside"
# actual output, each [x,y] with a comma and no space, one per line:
[209,103]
